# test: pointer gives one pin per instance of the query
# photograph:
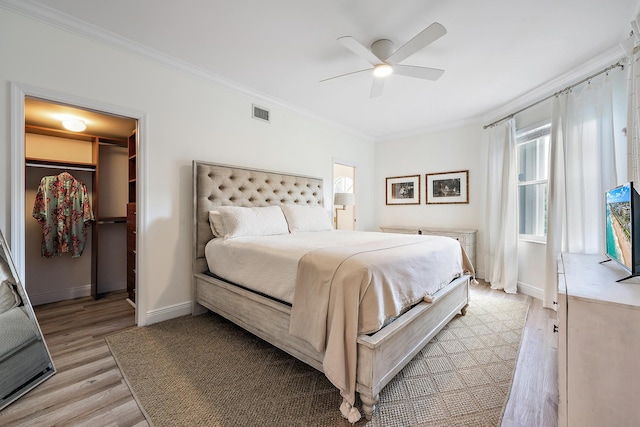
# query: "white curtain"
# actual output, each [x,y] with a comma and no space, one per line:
[582,167]
[501,238]
[633,114]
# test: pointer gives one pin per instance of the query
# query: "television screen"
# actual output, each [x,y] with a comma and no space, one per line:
[619,225]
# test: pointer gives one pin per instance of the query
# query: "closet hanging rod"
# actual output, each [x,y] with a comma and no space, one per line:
[65,167]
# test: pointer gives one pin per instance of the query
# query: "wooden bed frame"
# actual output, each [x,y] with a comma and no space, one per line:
[380,355]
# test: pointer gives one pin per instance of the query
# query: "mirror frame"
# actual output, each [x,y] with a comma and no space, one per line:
[48,369]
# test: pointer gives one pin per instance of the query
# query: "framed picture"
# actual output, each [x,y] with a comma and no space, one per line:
[448,187]
[403,190]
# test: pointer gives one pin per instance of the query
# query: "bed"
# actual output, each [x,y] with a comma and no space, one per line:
[379,354]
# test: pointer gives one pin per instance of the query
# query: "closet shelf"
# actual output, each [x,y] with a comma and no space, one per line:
[112,220]
[54,164]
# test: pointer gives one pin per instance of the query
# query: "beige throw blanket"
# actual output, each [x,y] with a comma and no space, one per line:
[345,291]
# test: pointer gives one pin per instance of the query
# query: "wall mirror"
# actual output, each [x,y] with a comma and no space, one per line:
[25,361]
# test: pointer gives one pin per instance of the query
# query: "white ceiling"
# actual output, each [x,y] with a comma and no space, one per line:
[495,51]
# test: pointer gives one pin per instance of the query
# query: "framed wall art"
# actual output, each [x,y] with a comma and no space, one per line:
[403,190]
[448,187]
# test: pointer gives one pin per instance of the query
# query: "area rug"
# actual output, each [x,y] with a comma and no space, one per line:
[205,371]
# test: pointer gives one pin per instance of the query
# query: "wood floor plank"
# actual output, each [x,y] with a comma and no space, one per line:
[88,388]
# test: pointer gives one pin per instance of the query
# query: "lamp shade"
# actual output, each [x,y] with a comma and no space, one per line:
[344,199]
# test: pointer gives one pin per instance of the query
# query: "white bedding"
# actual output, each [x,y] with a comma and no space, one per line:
[268,264]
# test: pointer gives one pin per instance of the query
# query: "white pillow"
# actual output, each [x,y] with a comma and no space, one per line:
[216,223]
[306,218]
[259,221]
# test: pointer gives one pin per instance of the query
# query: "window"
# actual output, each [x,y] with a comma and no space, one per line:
[532,145]
[343,184]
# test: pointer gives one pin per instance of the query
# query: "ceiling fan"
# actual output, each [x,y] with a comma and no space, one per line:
[386,61]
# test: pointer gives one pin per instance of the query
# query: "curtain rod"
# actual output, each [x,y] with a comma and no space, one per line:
[568,88]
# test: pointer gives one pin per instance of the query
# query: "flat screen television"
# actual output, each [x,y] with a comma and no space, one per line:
[623,227]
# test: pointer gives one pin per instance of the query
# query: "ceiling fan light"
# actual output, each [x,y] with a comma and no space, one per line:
[382,70]
[74,125]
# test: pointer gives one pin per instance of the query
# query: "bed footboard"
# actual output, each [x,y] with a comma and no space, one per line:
[380,356]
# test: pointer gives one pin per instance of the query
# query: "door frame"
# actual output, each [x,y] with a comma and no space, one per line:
[355,167]
[19,92]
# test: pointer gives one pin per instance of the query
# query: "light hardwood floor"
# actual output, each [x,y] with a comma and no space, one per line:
[88,388]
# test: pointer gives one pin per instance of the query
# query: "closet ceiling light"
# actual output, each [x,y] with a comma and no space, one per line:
[74,125]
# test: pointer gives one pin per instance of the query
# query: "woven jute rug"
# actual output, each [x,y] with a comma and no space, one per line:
[205,371]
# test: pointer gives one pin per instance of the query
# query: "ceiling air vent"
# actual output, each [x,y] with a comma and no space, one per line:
[260,113]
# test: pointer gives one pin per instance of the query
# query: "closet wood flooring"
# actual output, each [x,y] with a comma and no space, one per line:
[88,388]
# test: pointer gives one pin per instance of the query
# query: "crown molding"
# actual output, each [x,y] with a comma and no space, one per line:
[546,90]
[47,15]
[578,73]
[431,129]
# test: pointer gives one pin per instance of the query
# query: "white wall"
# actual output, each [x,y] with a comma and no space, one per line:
[188,118]
[459,148]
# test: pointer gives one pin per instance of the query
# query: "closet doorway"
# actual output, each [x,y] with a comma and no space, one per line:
[100,157]
[344,196]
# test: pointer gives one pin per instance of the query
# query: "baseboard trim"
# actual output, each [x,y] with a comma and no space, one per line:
[111,287]
[59,295]
[169,312]
[530,290]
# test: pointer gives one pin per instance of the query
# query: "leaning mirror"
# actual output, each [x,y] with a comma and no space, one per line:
[25,361]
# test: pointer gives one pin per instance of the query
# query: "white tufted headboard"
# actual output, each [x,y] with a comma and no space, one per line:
[223,185]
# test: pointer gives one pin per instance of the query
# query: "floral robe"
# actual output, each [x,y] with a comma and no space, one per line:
[63,209]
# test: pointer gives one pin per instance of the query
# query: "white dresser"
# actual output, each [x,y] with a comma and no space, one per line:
[598,343]
[467,238]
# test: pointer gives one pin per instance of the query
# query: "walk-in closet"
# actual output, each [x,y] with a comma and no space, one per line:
[97,159]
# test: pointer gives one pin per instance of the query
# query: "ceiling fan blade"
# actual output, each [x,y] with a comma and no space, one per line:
[347,74]
[430,34]
[376,88]
[418,72]
[359,49]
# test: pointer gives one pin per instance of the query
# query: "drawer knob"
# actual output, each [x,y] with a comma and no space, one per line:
[555,329]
